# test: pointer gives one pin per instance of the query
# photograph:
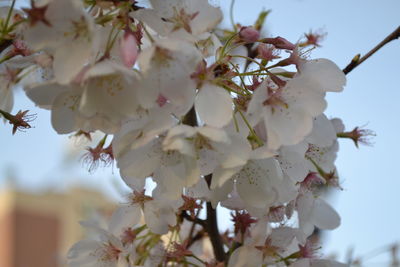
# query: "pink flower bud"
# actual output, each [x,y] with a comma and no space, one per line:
[129,49]
[279,42]
[249,34]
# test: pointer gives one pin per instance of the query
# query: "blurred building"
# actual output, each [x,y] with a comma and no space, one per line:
[36,230]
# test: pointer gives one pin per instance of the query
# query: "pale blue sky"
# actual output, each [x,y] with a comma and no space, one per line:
[369,204]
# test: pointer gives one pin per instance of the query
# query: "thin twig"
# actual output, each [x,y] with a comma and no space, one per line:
[198,236]
[357,60]
[190,236]
[194,220]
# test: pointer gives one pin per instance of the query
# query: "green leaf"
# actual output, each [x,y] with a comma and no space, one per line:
[261,19]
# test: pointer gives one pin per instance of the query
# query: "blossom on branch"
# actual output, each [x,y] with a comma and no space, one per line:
[213,117]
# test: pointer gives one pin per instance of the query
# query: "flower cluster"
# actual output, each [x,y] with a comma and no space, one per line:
[213,117]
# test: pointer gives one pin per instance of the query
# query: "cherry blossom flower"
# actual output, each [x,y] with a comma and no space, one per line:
[287,112]
[66,31]
[193,16]
[166,67]
[106,251]
[107,97]
[204,114]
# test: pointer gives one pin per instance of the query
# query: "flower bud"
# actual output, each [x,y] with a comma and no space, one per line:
[279,42]
[249,34]
[129,49]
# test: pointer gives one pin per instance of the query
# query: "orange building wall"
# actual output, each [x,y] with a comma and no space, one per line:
[36,230]
[37,240]
[6,240]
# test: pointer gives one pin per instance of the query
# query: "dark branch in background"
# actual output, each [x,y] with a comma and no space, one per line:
[192,228]
[213,232]
[190,118]
[212,228]
[357,60]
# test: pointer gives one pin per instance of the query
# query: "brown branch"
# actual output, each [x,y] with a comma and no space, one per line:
[190,236]
[212,229]
[357,60]
[213,232]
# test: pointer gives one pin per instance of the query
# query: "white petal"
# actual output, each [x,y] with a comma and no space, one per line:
[254,182]
[124,217]
[214,134]
[255,110]
[192,171]
[214,105]
[169,183]
[304,205]
[140,162]
[235,154]
[234,202]
[325,73]
[112,96]
[199,190]
[220,193]
[283,236]
[246,256]
[159,216]
[208,161]
[338,125]
[324,216]
[222,175]
[323,133]
[82,253]
[291,126]
[208,16]
[6,99]
[43,95]
[293,162]
[301,93]
[263,152]
[64,115]
[69,60]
